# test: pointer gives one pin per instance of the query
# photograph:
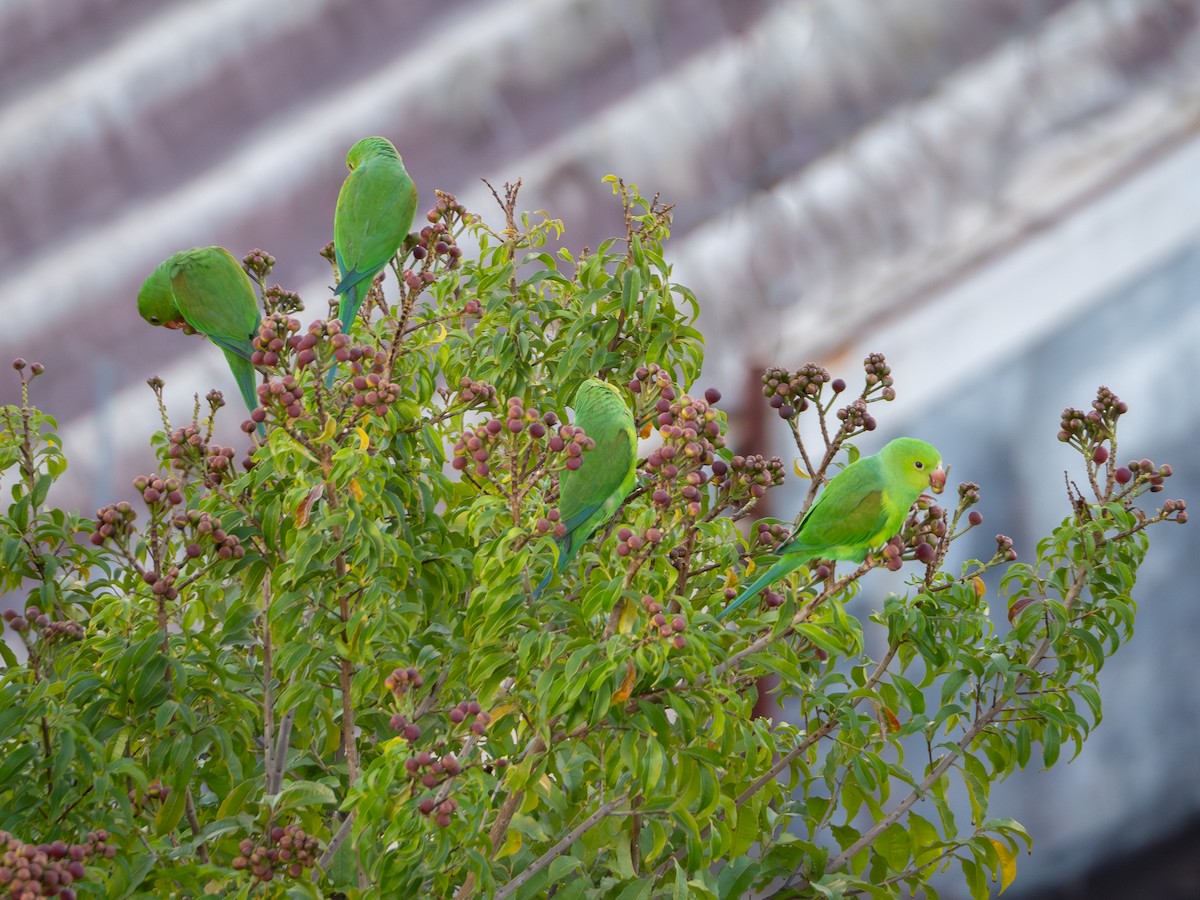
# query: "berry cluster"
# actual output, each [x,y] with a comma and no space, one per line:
[470,391]
[879,376]
[691,436]
[662,627]
[272,338]
[287,851]
[437,237]
[281,397]
[410,730]
[1004,547]
[631,542]
[258,264]
[41,622]
[1087,430]
[190,454]
[163,584]
[791,392]
[770,535]
[551,521]
[186,448]
[436,769]
[415,281]
[401,680]
[278,300]
[35,370]
[1145,470]
[471,709]
[652,379]
[745,478]
[47,870]
[922,533]
[855,418]
[476,445]
[208,528]
[442,812]
[218,462]
[156,490]
[155,790]
[1177,509]
[113,521]
[372,391]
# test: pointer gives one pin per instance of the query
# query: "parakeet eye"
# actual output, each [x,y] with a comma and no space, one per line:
[154,320]
[920,465]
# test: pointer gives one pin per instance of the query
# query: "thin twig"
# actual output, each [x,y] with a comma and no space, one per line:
[602,812]
[977,728]
[335,844]
[189,807]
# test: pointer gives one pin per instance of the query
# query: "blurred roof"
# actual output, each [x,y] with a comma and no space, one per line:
[832,162]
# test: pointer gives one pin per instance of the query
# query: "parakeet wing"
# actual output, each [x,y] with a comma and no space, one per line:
[580,500]
[216,298]
[374,212]
[849,513]
[590,496]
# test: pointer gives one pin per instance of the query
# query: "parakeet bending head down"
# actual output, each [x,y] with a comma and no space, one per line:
[206,290]
[590,495]
[863,506]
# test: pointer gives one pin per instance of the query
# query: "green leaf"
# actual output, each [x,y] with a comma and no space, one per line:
[303,794]
[894,845]
[1051,744]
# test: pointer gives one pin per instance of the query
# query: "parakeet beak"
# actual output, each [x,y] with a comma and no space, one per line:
[937,480]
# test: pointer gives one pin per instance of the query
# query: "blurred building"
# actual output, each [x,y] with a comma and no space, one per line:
[1001,195]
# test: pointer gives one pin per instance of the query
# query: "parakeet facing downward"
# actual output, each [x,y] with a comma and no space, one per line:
[590,495]
[206,290]
[374,213]
[861,508]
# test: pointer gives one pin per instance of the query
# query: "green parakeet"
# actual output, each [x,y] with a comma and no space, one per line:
[861,508]
[206,290]
[374,213]
[590,495]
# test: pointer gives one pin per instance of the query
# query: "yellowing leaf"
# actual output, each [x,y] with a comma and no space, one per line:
[363,441]
[512,843]
[626,689]
[397,743]
[306,504]
[798,470]
[442,332]
[626,619]
[646,430]
[499,712]
[299,446]
[1008,863]
[979,587]
[328,430]
[355,489]
[889,718]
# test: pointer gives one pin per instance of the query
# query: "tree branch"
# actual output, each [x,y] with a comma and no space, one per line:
[943,765]
[604,810]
